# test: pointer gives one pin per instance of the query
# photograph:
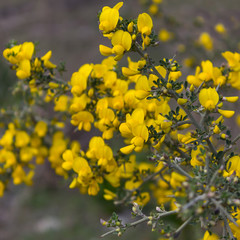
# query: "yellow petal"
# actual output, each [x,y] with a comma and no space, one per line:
[226,113]
[128,149]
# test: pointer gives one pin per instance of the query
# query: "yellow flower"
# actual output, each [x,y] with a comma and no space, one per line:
[198,158]
[83,120]
[144,24]
[46,61]
[220,28]
[135,130]
[153,9]
[94,144]
[164,35]
[233,165]
[27,153]
[27,50]
[68,160]
[142,88]
[61,103]
[19,53]
[208,98]
[106,117]
[163,123]
[93,188]
[7,138]
[24,69]
[20,176]
[11,54]
[41,129]
[7,158]
[22,139]
[82,168]
[121,41]
[206,41]
[109,18]
[194,79]
[105,156]
[233,60]
[79,79]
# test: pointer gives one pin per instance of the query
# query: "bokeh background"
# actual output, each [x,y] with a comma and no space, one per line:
[49,210]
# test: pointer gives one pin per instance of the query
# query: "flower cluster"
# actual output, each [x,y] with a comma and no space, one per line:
[156,136]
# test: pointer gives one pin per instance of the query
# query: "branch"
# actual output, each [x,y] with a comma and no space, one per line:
[224,212]
[180,123]
[195,200]
[178,231]
[180,170]
[227,228]
[144,219]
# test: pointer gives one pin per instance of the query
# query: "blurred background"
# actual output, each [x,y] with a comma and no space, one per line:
[49,210]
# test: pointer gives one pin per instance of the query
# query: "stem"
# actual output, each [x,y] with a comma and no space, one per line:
[207,168]
[227,229]
[195,200]
[181,123]
[224,212]
[178,231]
[211,147]
[128,226]
[199,88]
[144,219]
[58,80]
[215,175]
[166,214]
[138,50]
[180,170]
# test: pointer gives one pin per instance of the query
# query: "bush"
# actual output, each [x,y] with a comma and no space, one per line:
[157,136]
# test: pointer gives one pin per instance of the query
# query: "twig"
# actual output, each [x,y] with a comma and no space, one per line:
[180,170]
[144,219]
[207,168]
[224,212]
[180,123]
[211,147]
[227,228]
[178,231]
[195,200]
[215,175]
